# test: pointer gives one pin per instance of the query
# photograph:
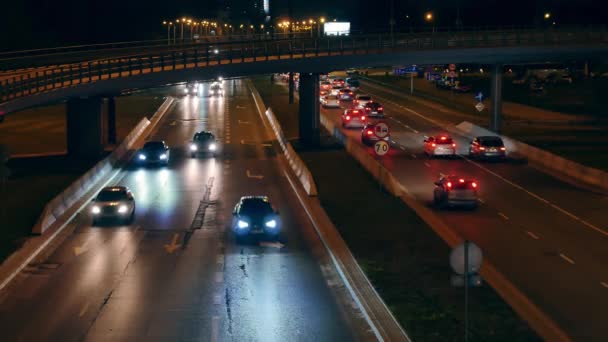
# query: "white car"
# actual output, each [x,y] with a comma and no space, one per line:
[441,145]
[216,89]
[114,202]
[362,100]
[354,118]
[330,101]
[452,191]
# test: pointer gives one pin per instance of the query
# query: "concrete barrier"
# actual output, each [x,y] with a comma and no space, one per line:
[294,160]
[524,307]
[55,208]
[543,160]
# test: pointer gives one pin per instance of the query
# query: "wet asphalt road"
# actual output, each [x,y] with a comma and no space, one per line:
[176,273]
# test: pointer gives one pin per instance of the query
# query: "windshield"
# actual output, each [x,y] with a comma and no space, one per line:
[203,136]
[154,145]
[491,142]
[111,196]
[255,207]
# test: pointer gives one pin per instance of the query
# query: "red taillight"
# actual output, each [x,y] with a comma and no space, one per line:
[369,132]
[443,138]
[350,93]
[363,118]
[449,184]
[355,111]
[453,145]
[348,117]
[380,109]
[503,149]
[474,184]
[433,144]
[461,180]
[482,148]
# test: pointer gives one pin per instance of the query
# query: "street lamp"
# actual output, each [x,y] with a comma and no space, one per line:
[547,15]
[429,18]
[168,24]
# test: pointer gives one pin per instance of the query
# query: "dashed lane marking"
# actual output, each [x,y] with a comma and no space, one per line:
[503,216]
[217,299]
[565,257]
[427,164]
[604,284]
[215,327]
[219,277]
[84,309]
[532,235]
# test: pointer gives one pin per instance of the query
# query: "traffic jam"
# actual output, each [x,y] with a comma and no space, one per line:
[362,112]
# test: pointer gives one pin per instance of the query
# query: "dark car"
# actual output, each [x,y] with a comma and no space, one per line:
[368,137]
[374,109]
[255,216]
[489,147]
[114,202]
[203,142]
[154,152]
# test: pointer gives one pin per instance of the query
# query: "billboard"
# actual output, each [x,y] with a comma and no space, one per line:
[337,28]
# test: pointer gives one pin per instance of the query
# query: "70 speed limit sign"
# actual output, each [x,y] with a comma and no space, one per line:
[381,147]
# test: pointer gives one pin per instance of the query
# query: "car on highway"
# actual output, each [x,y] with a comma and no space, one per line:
[352,71]
[255,216]
[368,137]
[325,85]
[330,101]
[353,83]
[203,142]
[374,109]
[113,202]
[487,147]
[216,89]
[335,90]
[361,100]
[191,88]
[441,145]
[345,94]
[454,191]
[323,93]
[353,118]
[338,82]
[154,152]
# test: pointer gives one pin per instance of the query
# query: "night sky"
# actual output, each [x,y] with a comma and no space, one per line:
[38,23]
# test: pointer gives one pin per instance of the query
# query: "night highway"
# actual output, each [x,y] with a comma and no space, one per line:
[546,235]
[176,273]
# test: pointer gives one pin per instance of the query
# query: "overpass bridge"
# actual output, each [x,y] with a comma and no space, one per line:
[83,77]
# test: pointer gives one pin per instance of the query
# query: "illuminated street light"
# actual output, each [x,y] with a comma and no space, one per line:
[547,15]
[428,16]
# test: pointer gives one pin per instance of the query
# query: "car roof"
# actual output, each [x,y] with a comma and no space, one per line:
[447,136]
[255,199]
[154,142]
[115,189]
[489,137]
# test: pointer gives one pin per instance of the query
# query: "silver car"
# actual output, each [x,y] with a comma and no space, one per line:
[362,100]
[441,145]
[330,101]
[455,191]
[114,202]
[354,118]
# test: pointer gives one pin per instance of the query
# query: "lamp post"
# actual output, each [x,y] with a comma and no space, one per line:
[429,18]
[168,24]
[321,22]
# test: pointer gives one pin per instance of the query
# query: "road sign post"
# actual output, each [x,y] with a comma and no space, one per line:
[4,174]
[466,260]
[381,147]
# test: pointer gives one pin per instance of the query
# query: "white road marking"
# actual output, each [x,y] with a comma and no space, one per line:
[402,148]
[481,200]
[604,284]
[219,277]
[250,175]
[84,309]
[267,145]
[503,216]
[532,235]
[215,327]
[414,156]
[217,299]
[565,257]
[220,259]
[427,164]
[243,122]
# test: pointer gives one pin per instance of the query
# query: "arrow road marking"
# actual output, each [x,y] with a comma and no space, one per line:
[81,249]
[565,257]
[271,244]
[254,176]
[173,246]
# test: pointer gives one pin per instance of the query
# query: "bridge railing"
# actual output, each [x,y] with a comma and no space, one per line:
[211,55]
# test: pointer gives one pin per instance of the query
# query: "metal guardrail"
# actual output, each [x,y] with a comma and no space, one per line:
[209,55]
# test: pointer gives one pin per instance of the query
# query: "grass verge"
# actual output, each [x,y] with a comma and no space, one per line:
[403,258]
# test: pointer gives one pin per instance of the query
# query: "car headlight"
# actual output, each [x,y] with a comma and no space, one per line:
[185,90]
[142,156]
[193,147]
[242,224]
[212,147]
[95,210]
[163,156]
[271,224]
[122,209]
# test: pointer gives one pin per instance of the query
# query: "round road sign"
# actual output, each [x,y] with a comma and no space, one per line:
[381,147]
[474,255]
[381,130]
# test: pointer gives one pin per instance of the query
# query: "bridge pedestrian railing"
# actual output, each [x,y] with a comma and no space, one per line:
[44,79]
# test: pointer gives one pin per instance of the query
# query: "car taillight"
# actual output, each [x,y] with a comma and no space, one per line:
[363,118]
[461,180]
[370,132]
[503,149]
[350,93]
[482,148]
[348,117]
[433,144]
[355,111]
[443,138]
[449,184]
[474,184]
[453,145]
[380,109]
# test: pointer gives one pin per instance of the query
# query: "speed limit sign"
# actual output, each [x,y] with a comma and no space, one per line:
[381,147]
[381,130]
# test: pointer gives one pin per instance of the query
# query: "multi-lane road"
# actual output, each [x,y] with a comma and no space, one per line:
[177,273]
[547,236]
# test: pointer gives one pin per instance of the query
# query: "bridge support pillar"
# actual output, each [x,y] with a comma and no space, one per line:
[309,109]
[496,98]
[291,86]
[83,117]
[111,120]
